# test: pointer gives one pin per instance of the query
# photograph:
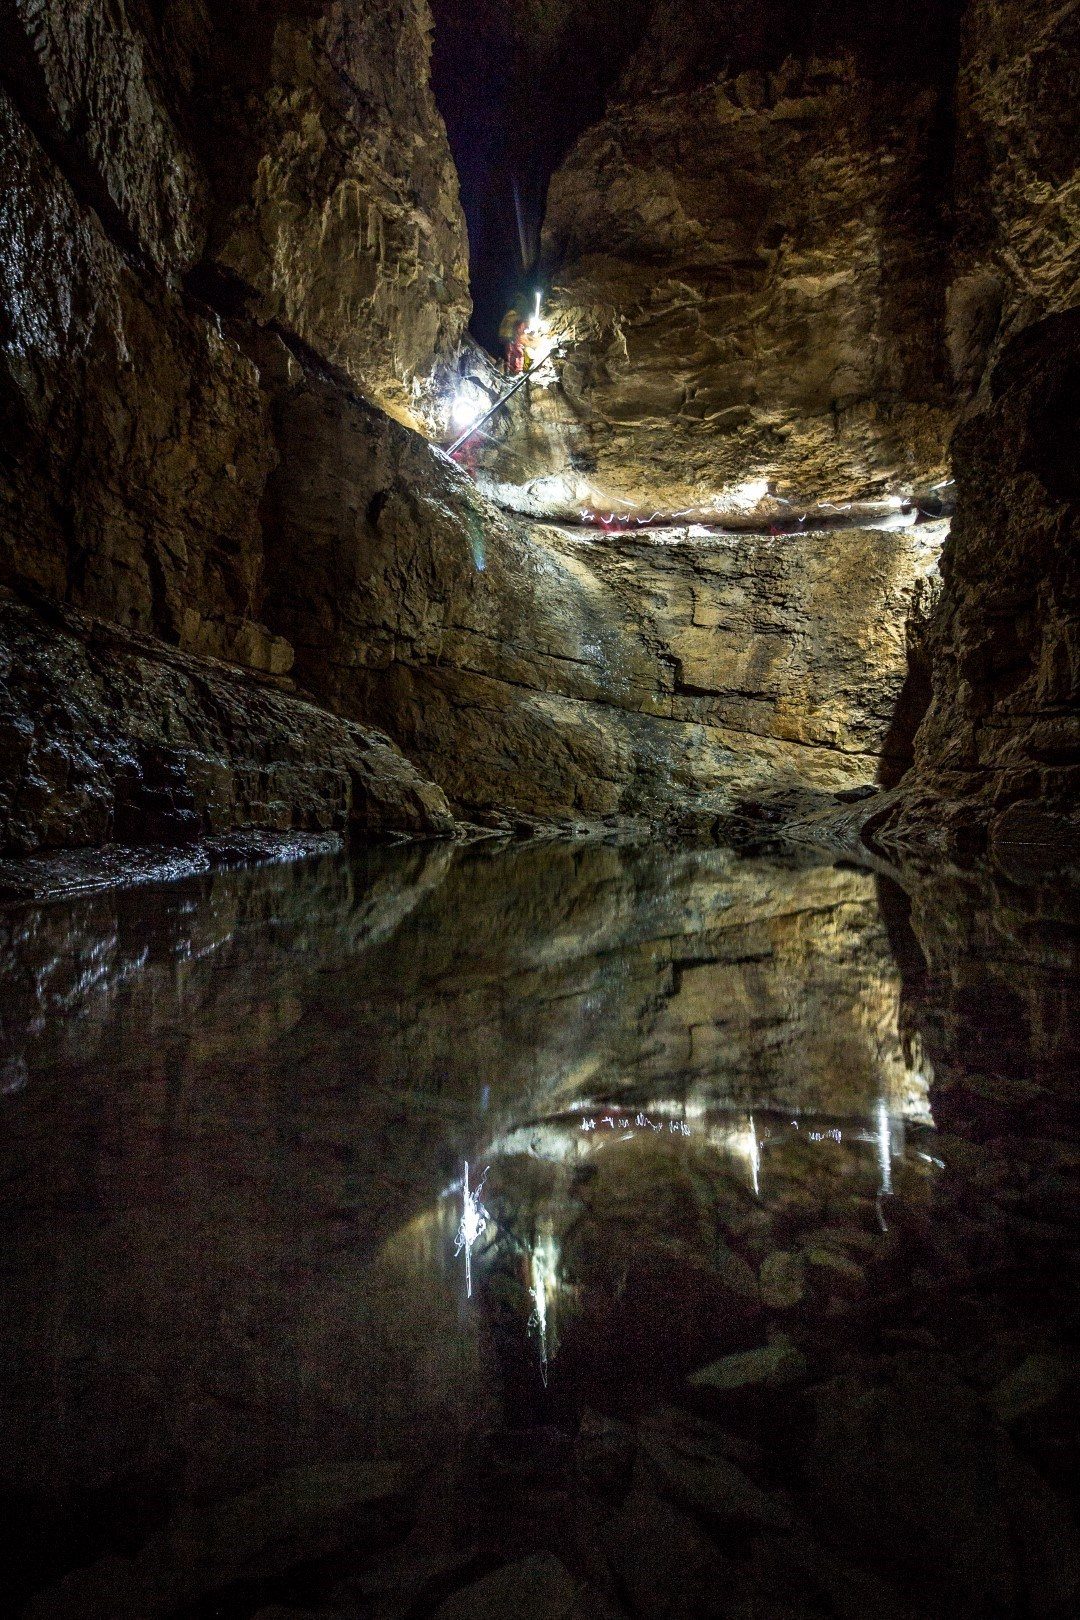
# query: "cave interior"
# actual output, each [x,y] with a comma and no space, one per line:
[539,831]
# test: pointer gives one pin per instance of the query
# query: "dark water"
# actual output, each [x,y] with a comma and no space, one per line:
[710,1107]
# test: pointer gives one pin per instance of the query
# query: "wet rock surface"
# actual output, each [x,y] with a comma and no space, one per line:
[186,197]
[235,242]
[113,738]
[558,673]
[236,1118]
[748,252]
[1000,744]
[757,303]
[335,198]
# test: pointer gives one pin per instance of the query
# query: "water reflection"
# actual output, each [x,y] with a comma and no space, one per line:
[360,1159]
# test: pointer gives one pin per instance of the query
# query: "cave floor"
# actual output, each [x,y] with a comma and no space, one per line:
[762,1302]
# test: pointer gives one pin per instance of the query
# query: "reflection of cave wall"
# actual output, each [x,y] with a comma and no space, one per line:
[230,1095]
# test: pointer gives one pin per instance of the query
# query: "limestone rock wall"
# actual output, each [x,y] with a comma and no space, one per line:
[1016,184]
[1002,728]
[135,444]
[194,195]
[562,674]
[748,251]
[999,749]
[166,169]
[107,737]
[335,199]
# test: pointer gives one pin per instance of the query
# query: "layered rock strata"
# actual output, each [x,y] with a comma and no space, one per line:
[552,672]
[112,737]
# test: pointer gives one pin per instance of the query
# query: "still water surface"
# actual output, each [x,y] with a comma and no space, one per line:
[268,1350]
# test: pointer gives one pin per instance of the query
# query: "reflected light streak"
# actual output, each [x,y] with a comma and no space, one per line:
[543,1283]
[473,1224]
[884,1146]
[754,1155]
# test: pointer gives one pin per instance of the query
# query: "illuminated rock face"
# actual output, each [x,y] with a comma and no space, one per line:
[234,244]
[172,189]
[190,200]
[568,675]
[758,300]
[108,736]
[747,250]
[1017,193]
[339,207]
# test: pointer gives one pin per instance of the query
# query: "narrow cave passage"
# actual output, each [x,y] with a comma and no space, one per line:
[517,84]
[539,983]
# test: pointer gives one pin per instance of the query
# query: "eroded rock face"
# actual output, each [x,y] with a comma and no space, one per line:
[110,737]
[1016,184]
[335,196]
[566,675]
[135,444]
[748,252]
[137,432]
[1002,727]
[189,191]
[227,222]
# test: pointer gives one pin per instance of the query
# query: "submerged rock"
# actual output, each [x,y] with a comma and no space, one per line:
[536,1588]
[783,1280]
[773,1366]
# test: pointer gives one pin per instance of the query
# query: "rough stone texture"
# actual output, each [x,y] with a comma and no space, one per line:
[158,264]
[135,447]
[749,255]
[136,431]
[100,84]
[335,197]
[538,1588]
[111,737]
[1001,731]
[1016,184]
[224,219]
[1004,642]
[560,674]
